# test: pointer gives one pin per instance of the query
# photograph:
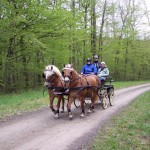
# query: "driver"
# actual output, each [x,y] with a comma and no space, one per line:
[88,68]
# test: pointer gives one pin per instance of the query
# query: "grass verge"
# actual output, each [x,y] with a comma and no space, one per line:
[119,85]
[12,104]
[129,130]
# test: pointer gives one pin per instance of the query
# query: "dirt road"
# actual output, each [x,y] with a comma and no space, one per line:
[40,131]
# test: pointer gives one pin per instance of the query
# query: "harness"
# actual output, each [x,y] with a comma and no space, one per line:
[54,89]
[79,89]
[60,90]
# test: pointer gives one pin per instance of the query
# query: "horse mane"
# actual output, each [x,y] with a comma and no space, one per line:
[54,69]
[70,66]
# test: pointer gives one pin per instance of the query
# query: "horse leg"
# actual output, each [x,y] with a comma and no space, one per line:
[82,108]
[92,104]
[51,103]
[89,109]
[92,108]
[63,104]
[58,106]
[70,115]
[67,101]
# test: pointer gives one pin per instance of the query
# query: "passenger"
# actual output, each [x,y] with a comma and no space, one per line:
[103,72]
[96,62]
[88,68]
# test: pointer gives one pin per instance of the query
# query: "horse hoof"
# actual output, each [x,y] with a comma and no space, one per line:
[82,116]
[89,111]
[54,112]
[56,116]
[62,111]
[93,110]
[70,117]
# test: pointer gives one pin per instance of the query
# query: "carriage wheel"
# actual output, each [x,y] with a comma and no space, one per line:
[104,100]
[76,103]
[111,97]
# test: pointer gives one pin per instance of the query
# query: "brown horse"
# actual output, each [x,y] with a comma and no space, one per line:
[55,84]
[79,87]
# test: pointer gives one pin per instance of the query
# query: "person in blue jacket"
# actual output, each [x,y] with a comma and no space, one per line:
[89,68]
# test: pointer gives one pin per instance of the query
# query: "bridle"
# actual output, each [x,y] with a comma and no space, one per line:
[70,76]
[50,81]
[75,81]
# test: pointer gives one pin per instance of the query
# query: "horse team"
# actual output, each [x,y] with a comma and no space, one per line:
[72,84]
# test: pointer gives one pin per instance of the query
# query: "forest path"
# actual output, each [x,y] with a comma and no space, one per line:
[41,131]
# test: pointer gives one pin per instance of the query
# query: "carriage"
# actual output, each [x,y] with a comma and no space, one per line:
[76,87]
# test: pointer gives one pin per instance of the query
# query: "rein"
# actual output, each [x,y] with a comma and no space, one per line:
[55,88]
[74,80]
[44,89]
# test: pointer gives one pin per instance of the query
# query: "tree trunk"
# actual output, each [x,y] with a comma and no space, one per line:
[73,38]
[8,71]
[101,30]
[85,27]
[93,27]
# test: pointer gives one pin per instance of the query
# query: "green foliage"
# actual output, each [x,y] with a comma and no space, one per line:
[37,33]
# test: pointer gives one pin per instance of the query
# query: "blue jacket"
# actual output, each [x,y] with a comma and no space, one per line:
[88,69]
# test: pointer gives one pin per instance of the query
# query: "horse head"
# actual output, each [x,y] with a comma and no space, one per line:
[69,73]
[50,73]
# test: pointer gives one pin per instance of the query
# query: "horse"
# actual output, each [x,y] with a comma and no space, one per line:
[79,87]
[55,84]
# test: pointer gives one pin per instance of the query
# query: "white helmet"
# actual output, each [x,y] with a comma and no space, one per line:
[103,62]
